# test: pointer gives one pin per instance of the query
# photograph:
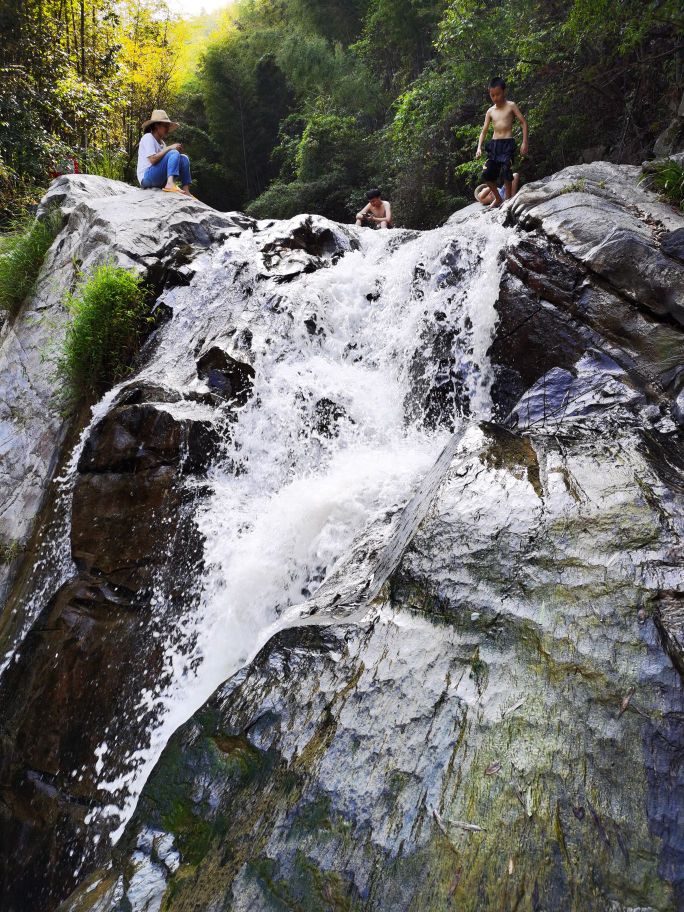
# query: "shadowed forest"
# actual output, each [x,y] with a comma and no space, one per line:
[299,105]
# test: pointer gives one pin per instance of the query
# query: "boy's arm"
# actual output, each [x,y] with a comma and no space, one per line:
[483,134]
[518,114]
[363,212]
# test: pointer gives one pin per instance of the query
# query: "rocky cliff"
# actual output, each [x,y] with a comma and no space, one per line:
[364,591]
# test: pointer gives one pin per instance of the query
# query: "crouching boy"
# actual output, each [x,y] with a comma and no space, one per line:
[377,213]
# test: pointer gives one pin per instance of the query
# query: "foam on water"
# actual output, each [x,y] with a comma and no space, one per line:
[324,445]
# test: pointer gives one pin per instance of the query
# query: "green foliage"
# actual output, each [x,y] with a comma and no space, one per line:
[109,319]
[19,196]
[329,143]
[627,23]
[244,95]
[285,200]
[336,20]
[332,162]
[22,251]
[300,104]
[578,186]
[110,163]
[398,38]
[667,177]
[10,550]
[77,78]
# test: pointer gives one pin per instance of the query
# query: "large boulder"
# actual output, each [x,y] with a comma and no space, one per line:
[600,216]
[58,699]
[128,489]
[564,293]
[151,232]
[96,646]
[303,244]
[226,376]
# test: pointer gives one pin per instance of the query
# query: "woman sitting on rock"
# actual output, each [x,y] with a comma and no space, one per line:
[160,165]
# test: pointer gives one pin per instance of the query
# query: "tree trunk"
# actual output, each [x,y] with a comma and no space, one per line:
[83,41]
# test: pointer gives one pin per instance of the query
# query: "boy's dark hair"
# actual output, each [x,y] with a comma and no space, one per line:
[373,193]
[497,83]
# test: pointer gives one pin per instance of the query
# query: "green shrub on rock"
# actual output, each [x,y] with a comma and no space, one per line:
[110,318]
[667,177]
[22,251]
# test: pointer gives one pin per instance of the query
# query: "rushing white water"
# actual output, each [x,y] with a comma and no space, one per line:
[352,342]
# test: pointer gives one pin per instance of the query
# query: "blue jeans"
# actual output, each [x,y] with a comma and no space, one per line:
[172,165]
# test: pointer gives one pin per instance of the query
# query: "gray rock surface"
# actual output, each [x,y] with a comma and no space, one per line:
[502,728]
[103,221]
[600,216]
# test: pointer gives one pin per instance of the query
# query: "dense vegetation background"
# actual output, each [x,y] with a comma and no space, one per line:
[299,105]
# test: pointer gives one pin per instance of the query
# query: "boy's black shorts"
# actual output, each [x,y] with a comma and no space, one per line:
[499,164]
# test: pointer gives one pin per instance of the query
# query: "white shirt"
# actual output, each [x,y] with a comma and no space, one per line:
[148,146]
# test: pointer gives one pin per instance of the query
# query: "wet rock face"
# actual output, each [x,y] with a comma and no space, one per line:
[127,490]
[57,702]
[672,244]
[589,211]
[115,519]
[560,300]
[136,438]
[327,415]
[304,244]
[668,613]
[532,337]
[458,747]
[230,379]
[96,647]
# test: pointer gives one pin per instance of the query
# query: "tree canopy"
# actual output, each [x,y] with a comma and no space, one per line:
[293,105]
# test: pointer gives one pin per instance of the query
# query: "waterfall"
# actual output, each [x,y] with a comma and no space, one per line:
[304,619]
[340,429]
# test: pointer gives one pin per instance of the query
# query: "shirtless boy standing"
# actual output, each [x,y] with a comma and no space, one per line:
[501,149]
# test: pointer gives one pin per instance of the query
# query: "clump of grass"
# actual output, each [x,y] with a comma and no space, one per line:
[578,186]
[109,163]
[22,251]
[10,549]
[667,177]
[110,318]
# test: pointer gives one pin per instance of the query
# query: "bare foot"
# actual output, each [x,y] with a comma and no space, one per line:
[497,204]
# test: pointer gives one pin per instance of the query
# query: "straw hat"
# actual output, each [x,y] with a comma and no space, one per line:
[478,190]
[160,117]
